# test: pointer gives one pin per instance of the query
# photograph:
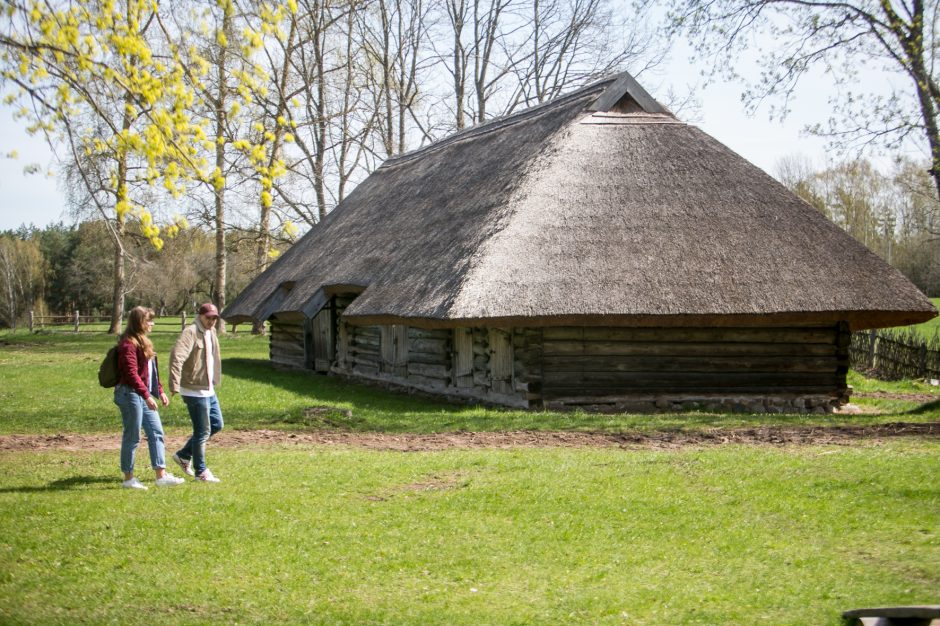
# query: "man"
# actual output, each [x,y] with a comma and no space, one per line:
[195,371]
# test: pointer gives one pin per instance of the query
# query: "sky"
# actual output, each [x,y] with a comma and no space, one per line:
[36,199]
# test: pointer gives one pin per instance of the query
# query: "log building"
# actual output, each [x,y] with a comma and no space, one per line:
[592,251]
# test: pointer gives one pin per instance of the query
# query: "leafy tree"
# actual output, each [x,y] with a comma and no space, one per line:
[103,81]
[898,37]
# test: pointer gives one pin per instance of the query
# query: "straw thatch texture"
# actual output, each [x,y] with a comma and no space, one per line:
[561,215]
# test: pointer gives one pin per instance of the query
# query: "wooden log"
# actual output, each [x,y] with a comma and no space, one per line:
[429,333]
[825,335]
[429,359]
[579,363]
[363,368]
[286,346]
[357,354]
[429,346]
[700,380]
[430,371]
[365,342]
[431,382]
[578,395]
[625,348]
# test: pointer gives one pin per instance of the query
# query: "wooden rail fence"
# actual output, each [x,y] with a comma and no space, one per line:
[894,355]
[75,322]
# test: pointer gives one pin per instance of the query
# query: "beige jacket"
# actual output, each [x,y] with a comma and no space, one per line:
[188,365]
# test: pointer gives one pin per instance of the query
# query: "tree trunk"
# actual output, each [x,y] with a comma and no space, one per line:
[221,256]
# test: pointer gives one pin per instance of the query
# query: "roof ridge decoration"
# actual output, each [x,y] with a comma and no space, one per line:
[625,85]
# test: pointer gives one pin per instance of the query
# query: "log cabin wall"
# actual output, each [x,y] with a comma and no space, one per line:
[643,369]
[286,343]
[469,363]
[721,369]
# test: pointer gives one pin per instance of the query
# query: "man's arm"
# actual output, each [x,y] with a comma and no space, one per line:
[178,355]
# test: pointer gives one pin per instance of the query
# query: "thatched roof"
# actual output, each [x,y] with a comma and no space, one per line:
[598,208]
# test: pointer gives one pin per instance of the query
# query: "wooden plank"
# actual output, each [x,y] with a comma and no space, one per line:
[463,382]
[394,345]
[500,364]
[323,339]
[342,345]
[625,348]
[463,352]
[724,335]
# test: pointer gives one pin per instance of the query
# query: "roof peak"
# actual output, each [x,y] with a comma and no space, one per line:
[623,91]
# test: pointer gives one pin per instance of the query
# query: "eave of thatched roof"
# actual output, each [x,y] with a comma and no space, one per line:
[597,208]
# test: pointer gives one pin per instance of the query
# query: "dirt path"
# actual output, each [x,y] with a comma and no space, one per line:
[770,436]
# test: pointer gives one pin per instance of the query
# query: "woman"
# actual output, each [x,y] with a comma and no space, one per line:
[138,385]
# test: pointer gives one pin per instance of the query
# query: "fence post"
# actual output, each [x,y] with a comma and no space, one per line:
[182,320]
[76,320]
[923,360]
[872,337]
[31,314]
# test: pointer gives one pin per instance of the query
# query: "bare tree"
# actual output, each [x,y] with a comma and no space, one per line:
[899,37]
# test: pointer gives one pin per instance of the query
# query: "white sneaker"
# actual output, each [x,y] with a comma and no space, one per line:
[169,480]
[207,477]
[186,466]
[133,483]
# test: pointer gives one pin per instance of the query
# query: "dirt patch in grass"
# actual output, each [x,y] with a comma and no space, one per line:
[410,442]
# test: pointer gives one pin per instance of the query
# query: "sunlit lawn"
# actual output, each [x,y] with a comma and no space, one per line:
[731,534]
[724,535]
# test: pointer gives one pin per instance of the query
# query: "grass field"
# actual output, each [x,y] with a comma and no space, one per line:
[726,534]
[931,329]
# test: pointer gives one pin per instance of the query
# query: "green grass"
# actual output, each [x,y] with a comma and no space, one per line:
[50,385]
[725,535]
[728,534]
[930,329]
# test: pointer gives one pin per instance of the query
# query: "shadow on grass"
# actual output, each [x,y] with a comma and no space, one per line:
[927,407]
[332,403]
[64,484]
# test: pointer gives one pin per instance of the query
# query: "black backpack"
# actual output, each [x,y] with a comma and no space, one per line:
[108,370]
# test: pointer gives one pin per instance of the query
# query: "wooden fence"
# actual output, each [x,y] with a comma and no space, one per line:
[893,355]
[76,322]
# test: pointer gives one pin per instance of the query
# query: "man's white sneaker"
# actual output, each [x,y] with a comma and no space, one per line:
[133,483]
[186,466]
[168,480]
[207,477]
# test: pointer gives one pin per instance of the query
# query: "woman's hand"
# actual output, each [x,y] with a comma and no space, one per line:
[151,403]
[164,399]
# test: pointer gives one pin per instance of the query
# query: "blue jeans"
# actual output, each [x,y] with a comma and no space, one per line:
[207,421]
[135,413]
